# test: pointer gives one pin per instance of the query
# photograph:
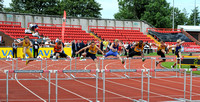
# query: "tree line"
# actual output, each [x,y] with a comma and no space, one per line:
[158,13]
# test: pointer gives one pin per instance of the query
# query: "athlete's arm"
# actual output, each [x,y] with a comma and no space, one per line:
[181,43]
[100,50]
[19,43]
[155,45]
[83,49]
[31,45]
[111,46]
[134,45]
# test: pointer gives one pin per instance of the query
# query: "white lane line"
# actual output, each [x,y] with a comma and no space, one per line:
[135,87]
[67,89]
[102,89]
[29,89]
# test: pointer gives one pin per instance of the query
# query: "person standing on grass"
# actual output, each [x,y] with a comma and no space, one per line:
[161,51]
[138,50]
[114,50]
[177,47]
[91,52]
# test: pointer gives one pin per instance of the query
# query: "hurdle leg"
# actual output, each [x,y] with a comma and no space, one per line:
[41,69]
[151,64]
[6,86]
[56,85]
[74,67]
[97,77]
[16,67]
[129,67]
[13,63]
[103,85]
[190,85]
[46,66]
[142,85]
[180,68]
[148,87]
[184,83]
[49,86]
[155,67]
[176,67]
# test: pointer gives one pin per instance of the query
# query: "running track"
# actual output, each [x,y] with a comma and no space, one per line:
[83,90]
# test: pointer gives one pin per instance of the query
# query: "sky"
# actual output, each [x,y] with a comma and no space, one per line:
[110,7]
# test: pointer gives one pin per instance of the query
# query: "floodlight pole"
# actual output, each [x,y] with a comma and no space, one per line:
[195,13]
[173,16]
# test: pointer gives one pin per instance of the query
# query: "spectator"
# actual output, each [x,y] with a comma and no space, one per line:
[57,39]
[126,47]
[105,43]
[82,45]
[74,49]
[14,49]
[28,31]
[35,48]
[130,47]
[173,49]
[101,45]
[78,45]
[47,43]
[32,27]
[42,43]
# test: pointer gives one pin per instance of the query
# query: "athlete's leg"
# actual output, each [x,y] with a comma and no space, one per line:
[96,63]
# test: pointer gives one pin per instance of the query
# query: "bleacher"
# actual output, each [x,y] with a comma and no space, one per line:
[184,44]
[164,31]
[53,31]
[125,34]
[72,32]
[14,29]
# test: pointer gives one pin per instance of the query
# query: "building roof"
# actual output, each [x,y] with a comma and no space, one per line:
[189,28]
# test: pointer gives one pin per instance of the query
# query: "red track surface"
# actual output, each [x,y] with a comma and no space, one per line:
[83,90]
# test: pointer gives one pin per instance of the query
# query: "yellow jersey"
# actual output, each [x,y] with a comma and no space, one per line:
[139,48]
[160,47]
[93,50]
[26,44]
[105,43]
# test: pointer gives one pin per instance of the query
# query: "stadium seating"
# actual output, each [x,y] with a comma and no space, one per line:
[73,32]
[124,35]
[184,44]
[14,29]
[53,31]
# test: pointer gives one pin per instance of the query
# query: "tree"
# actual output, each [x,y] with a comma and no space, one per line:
[180,18]
[158,13]
[76,8]
[81,8]
[34,6]
[191,18]
[131,9]
[1,5]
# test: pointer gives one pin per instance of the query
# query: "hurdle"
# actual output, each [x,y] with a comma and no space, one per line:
[28,59]
[9,59]
[77,71]
[103,71]
[126,74]
[63,59]
[74,75]
[28,71]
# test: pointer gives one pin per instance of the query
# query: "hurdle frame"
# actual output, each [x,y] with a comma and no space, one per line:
[27,71]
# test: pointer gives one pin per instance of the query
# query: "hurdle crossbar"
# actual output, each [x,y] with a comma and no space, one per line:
[28,71]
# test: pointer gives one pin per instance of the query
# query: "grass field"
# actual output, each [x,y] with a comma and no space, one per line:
[169,64]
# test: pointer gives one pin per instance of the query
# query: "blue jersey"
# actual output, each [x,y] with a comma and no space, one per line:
[178,48]
[116,47]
